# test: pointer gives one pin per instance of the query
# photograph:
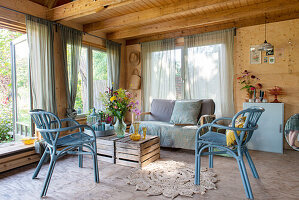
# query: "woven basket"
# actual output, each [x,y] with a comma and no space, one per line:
[135,80]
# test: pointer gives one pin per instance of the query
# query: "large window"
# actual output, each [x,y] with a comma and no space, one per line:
[21,84]
[92,79]
[21,96]
[204,64]
[201,71]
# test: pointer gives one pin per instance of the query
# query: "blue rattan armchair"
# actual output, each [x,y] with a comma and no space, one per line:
[213,140]
[50,127]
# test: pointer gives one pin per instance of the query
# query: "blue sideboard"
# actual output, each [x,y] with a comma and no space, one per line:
[269,135]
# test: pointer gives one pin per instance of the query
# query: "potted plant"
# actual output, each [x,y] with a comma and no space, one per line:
[118,103]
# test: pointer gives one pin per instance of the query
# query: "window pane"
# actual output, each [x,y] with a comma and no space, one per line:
[22,84]
[204,63]
[99,62]
[170,75]
[81,103]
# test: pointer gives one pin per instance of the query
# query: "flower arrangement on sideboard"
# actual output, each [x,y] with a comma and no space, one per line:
[249,82]
[253,87]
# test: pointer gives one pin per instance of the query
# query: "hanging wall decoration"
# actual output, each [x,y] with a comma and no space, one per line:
[255,55]
[271,60]
[265,59]
[134,58]
[135,80]
[270,52]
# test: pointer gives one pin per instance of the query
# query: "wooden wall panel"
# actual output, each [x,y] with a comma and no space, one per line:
[61,100]
[129,71]
[284,73]
[93,41]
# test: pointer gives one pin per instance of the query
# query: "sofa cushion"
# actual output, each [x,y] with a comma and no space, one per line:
[230,135]
[207,107]
[185,112]
[161,110]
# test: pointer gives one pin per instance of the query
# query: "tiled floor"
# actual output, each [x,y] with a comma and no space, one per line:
[279,179]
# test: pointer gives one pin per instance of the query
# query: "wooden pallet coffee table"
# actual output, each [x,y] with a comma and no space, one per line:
[106,148]
[137,153]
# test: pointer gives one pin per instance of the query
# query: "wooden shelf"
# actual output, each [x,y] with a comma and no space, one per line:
[7,149]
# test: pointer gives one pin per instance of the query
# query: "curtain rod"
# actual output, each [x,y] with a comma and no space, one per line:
[57,23]
[177,37]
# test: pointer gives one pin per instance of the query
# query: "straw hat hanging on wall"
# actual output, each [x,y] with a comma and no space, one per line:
[134,58]
[135,80]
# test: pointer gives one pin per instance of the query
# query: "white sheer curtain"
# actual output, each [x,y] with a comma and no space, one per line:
[158,71]
[41,63]
[209,69]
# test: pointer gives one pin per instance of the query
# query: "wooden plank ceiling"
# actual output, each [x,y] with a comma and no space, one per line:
[133,19]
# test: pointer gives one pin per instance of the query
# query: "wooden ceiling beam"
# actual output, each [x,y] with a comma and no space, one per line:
[16,21]
[12,23]
[25,6]
[225,16]
[81,8]
[12,16]
[12,28]
[183,7]
[50,3]
[30,8]
[274,17]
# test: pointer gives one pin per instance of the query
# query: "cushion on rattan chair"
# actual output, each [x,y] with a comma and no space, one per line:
[213,137]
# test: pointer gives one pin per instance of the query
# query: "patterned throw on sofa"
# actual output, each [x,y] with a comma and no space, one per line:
[176,121]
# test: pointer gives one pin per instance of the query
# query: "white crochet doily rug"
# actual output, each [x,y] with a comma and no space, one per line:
[171,178]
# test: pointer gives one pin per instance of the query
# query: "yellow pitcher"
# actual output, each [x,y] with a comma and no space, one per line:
[135,136]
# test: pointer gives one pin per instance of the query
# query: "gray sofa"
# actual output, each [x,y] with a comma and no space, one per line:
[158,123]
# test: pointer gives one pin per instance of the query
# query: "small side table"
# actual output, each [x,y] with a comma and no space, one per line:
[106,148]
[137,153]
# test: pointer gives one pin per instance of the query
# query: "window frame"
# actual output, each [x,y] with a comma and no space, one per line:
[14,88]
[90,102]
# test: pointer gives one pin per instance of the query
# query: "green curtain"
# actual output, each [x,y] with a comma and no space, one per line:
[40,38]
[73,38]
[113,58]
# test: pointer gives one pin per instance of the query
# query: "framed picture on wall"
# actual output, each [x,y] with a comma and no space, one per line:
[255,55]
[265,59]
[271,60]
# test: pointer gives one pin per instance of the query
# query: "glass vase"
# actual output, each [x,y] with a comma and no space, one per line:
[135,136]
[136,127]
[120,127]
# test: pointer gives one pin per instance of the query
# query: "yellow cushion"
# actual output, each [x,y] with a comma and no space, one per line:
[230,136]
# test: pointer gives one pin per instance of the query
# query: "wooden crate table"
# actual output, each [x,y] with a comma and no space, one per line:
[137,153]
[106,148]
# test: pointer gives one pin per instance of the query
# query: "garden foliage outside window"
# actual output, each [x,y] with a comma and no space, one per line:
[92,79]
